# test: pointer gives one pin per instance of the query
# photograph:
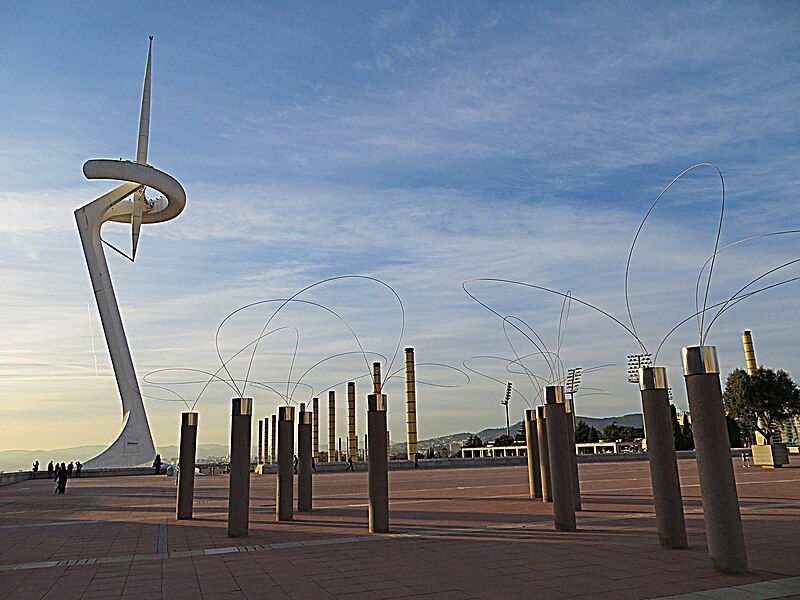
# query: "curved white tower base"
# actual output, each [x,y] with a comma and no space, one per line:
[134,444]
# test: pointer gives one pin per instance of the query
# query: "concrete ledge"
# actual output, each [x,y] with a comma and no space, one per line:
[9,478]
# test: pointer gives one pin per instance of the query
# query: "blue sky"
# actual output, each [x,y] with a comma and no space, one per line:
[420,143]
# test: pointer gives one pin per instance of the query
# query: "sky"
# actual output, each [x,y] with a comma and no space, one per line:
[421,144]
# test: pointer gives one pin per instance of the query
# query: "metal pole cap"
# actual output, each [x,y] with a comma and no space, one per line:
[540,412]
[242,406]
[699,359]
[376,402]
[653,378]
[189,419]
[529,416]
[554,394]
[286,413]
[305,418]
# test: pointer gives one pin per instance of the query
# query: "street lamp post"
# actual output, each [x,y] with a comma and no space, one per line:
[505,402]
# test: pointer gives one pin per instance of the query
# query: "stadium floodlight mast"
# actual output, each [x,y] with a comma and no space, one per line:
[636,362]
[505,402]
[573,382]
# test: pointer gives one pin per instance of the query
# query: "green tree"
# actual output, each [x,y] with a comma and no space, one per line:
[734,432]
[614,432]
[766,394]
[586,434]
[688,434]
[504,440]
[473,441]
[520,435]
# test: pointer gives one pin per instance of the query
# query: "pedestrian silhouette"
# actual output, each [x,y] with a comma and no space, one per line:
[61,479]
[78,467]
[56,472]
[35,468]
[70,467]
[295,464]
[417,456]
[313,464]
[157,464]
[50,470]
[349,464]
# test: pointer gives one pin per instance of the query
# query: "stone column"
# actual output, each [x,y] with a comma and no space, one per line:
[260,442]
[411,405]
[274,440]
[376,378]
[712,449]
[265,448]
[285,484]
[352,438]
[315,429]
[560,465]
[534,468]
[239,479]
[332,457]
[573,457]
[544,454]
[188,454]
[378,464]
[304,469]
[661,455]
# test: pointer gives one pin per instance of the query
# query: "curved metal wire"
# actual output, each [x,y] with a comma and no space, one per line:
[313,285]
[544,289]
[732,302]
[636,237]
[431,384]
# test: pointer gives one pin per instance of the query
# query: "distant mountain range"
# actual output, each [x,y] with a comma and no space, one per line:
[492,433]
[21,460]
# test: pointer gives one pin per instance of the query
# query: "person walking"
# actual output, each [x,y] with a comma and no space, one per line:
[61,480]
[313,464]
[50,474]
[78,467]
[35,468]
[417,456]
[296,461]
[70,467]
[349,464]
[157,464]
[56,472]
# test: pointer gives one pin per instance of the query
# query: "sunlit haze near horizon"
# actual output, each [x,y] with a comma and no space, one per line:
[422,144]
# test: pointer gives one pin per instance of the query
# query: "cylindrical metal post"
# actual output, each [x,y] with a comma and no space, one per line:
[265,448]
[661,455]
[304,468]
[274,440]
[239,479]
[315,428]
[378,464]
[534,468]
[560,465]
[332,426]
[544,454]
[285,484]
[411,405]
[188,453]
[352,438]
[715,469]
[260,442]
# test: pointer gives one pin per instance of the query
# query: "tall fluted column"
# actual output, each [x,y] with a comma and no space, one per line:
[560,465]
[352,438]
[332,427]
[532,443]
[274,439]
[315,429]
[411,405]
[304,468]
[544,454]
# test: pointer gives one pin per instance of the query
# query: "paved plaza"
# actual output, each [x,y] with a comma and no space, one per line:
[456,533]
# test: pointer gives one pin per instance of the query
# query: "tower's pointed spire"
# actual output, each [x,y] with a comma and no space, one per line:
[144,119]
[141,153]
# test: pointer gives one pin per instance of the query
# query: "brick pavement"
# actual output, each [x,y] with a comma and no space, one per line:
[460,533]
